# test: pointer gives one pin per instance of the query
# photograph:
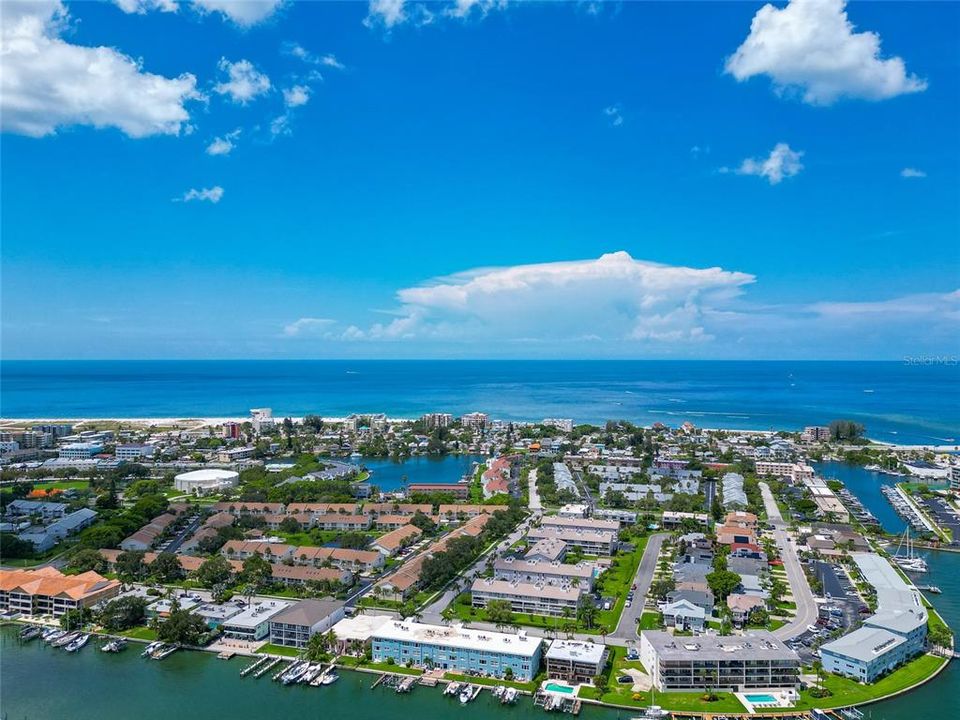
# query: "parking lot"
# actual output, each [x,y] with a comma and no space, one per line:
[944,515]
[840,610]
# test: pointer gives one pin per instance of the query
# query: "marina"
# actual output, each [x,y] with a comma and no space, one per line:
[905,509]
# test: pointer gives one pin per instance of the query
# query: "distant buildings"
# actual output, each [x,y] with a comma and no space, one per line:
[815,433]
[562,424]
[80,450]
[200,482]
[262,420]
[732,491]
[458,649]
[433,421]
[135,453]
[475,420]
[795,472]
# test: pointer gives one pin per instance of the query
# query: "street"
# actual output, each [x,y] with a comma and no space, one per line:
[627,627]
[802,595]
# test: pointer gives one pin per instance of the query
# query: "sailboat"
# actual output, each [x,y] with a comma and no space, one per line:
[909,562]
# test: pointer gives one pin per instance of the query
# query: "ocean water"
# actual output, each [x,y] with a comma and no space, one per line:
[897,402]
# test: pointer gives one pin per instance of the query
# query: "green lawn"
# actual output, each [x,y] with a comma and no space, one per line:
[271,649]
[354,662]
[617,581]
[650,621]
[62,485]
[849,692]
[141,632]
[677,701]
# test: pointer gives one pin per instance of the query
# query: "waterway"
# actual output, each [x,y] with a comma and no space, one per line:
[390,475]
[866,484]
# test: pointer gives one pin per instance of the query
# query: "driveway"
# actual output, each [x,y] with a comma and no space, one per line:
[807,611]
[535,505]
[627,627]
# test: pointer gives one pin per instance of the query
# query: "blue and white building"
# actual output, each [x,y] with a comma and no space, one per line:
[896,633]
[457,648]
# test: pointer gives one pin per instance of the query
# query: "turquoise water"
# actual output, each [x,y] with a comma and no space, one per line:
[389,475]
[553,687]
[907,403]
[761,699]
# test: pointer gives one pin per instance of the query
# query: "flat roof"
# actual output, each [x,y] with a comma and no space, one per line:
[755,645]
[359,627]
[528,590]
[257,614]
[576,651]
[459,637]
[543,567]
[864,644]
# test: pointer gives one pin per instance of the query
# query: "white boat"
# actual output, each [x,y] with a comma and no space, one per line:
[330,678]
[499,690]
[78,643]
[466,695]
[509,696]
[295,672]
[909,561]
[452,688]
[148,651]
[50,634]
[65,639]
[654,712]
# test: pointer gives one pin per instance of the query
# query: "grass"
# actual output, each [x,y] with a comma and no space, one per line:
[62,485]
[846,691]
[676,701]
[617,581]
[650,621]
[271,649]
[359,663]
[141,632]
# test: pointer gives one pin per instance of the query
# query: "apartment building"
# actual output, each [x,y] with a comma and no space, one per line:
[536,599]
[47,591]
[575,661]
[541,572]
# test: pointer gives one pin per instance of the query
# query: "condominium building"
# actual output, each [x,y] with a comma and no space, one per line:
[795,472]
[457,648]
[580,523]
[80,450]
[896,633]
[542,572]
[601,542]
[47,591]
[537,599]
[735,663]
[294,626]
[575,661]
[254,622]
[134,453]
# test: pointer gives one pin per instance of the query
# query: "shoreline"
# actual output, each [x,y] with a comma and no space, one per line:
[205,421]
[486,685]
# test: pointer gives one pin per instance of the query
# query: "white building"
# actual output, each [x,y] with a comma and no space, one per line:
[199,482]
[575,661]
[133,453]
[80,450]
[254,622]
[536,599]
[294,626]
[564,424]
[261,419]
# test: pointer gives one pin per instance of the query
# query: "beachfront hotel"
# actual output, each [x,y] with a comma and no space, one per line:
[457,648]
[47,591]
[736,663]
[896,633]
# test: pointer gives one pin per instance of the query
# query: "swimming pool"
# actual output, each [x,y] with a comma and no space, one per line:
[761,699]
[553,687]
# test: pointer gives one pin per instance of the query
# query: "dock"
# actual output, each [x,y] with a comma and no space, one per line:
[254,665]
[266,668]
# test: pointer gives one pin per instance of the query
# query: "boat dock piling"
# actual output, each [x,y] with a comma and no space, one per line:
[266,668]
[281,671]
[254,665]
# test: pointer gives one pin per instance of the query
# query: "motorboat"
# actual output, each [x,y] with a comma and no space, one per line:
[78,643]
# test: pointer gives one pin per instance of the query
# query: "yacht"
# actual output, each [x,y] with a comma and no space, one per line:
[78,643]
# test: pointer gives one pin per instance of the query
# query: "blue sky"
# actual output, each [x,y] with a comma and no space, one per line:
[486,179]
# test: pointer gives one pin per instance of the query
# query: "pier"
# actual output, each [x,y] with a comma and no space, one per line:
[266,668]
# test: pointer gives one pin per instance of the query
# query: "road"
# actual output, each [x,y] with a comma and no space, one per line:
[535,505]
[627,627]
[802,595]
[432,613]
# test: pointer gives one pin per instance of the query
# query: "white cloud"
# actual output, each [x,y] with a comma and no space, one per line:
[245,82]
[811,47]
[223,145]
[298,51]
[781,163]
[614,115]
[331,61]
[463,8]
[212,195]
[141,7]
[306,325]
[244,13]
[614,298]
[280,125]
[912,173]
[47,83]
[944,305]
[296,96]
[387,13]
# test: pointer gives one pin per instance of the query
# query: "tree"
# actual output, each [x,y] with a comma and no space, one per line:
[722,583]
[289,525]
[13,547]
[586,610]
[662,587]
[102,536]
[600,683]
[758,616]
[166,568]
[508,674]
[182,627]
[86,559]
[215,571]
[76,619]
[130,566]
[421,521]
[849,430]
[109,500]
[256,570]
[499,612]
[123,613]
